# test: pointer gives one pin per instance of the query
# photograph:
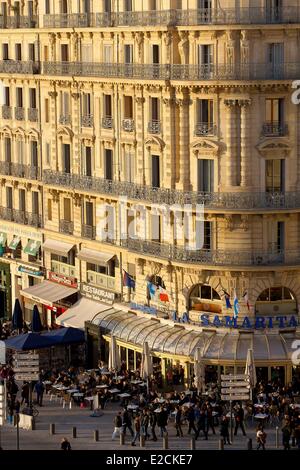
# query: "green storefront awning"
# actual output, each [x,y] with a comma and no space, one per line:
[14,243]
[32,247]
[3,238]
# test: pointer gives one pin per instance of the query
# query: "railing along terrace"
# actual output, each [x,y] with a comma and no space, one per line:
[17,21]
[21,216]
[19,66]
[190,72]
[211,200]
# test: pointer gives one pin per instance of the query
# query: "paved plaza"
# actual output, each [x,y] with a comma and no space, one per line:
[65,419]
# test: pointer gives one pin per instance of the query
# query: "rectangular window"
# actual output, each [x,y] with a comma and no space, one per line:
[18,51]
[47,7]
[5,53]
[67,209]
[34,153]
[155,171]
[107,106]
[86,104]
[19,97]
[49,209]
[7,149]
[275,176]
[22,200]
[276,60]
[64,53]
[273,11]
[129,167]
[155,109]
[155,54]
[31,52]
[32,98]
[205,111]
[87,53]
[88,161]
[89,214]
[35,202]
[156,228]
[65,103]
[107,6]
[107,53]
[66,158]
[206,54]
[128,107]
[274,110]
[280,236]
[20,151]
[205,175]
[207,235]
[6,96]
[128,53]
[9,197]
[108,167]
[127,5]
[48,153]
[47,110]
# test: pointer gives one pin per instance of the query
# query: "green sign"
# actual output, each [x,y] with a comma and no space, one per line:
[32,247]
[14,243]
[3,238]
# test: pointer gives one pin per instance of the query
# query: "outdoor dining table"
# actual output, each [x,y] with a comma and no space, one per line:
[188,404]
[72,390]
[136,382]
[102,386]
[295,405]
[78,394]
[133,407]
[260,416]
[124,395]
[114,390]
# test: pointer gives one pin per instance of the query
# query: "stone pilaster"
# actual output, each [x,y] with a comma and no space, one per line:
[245,142]
[184,142]
[170,138]
[231,142]
[140,152]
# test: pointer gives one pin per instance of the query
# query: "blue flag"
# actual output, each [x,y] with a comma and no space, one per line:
[227,300]
[128,281]
[152,289]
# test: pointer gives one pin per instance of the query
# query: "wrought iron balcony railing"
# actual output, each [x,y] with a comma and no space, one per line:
[33,114]
[17,21]
[128,125]
[19,66]
[66,226]
[21,217]
[87,120]
[88,231]
[205,128]
[107,122]
[154,127]
[243,201]
[20,170]
[183,254]
[275,128]
[6,112]
[67,20]
[65,119]
[224,16]
[177,72]
[19,114]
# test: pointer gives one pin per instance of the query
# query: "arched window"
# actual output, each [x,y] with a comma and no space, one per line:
[280,300]
[204,298]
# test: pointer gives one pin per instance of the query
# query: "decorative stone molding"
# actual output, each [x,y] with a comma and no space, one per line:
[229,224]
[77,200]
[229,103]
[205,146]
[139,38]
[52,94]
[183,47]
[140,100]
[155,142]
[245,223]
[65,132]
[279,147]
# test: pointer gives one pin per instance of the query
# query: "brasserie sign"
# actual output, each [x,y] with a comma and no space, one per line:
[257,323]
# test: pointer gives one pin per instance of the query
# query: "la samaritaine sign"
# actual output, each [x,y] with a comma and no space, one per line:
[257,323]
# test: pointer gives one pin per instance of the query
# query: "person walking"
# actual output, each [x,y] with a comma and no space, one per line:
[25,393]
[162,421]
[152,423]
[145,424]
[297,436]
[239,420]
[39,389]
[118,425]
[261,438]
[178,418]
[127,422]
[286,435]
[137,428]
[191,420]
[224,429]
[65,444]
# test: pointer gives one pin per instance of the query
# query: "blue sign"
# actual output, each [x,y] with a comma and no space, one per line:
[257,323]
[27,270]
[143,308]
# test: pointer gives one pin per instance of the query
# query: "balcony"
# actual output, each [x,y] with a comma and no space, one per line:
[66,20]
[20,114]
[182,254]
[87,120]
[21,217]
[154,127]
[107,122]
[6,112]
[63,268]
[5,168]
[66,226]
[203,129]
[65,119]
[19,66]
[88,231]
[176,72]
[24,171]
[128,125]
[101,280]
[240,202]
[274,129]
[32,114]
[17,21]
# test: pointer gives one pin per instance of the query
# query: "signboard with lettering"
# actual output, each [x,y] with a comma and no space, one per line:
[26,366]
[61,279]
[97,294]
[257,323]
[31,271]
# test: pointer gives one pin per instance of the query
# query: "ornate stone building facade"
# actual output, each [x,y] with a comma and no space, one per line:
[114,111]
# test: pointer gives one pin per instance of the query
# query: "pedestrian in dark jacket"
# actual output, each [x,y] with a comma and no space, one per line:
[286,435]
[152,424]
[224,429]
[65,444]
[25,393]
[239,420]
[137,428]
[162,421]
[178,419]
[39,389]
[191,420]
[145,424]
[126,422]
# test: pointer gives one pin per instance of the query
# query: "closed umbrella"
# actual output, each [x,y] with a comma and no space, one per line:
[36,324]
[17,317]
[199,371]
[147,366]
[250,370]
[114,361]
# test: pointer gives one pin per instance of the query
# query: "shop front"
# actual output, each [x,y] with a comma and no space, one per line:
[5,291]
[52,299]
[223,350]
